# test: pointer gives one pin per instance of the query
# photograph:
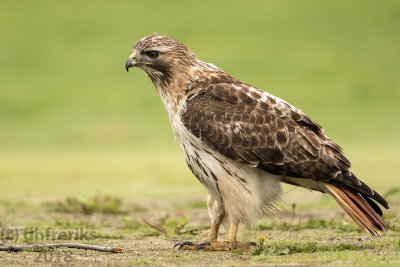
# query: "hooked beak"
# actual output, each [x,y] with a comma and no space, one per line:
[131,61]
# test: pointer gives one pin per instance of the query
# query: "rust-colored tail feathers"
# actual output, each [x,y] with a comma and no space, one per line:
[358,209]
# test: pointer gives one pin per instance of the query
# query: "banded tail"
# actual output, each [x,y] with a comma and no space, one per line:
[360,208]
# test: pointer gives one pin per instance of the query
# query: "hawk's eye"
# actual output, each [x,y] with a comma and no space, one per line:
[152,54]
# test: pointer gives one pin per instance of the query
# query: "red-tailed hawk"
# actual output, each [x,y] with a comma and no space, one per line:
[241,142]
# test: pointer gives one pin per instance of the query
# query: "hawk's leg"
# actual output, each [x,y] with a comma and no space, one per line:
[213,233]
[216,211]
[212,237]
[227,245]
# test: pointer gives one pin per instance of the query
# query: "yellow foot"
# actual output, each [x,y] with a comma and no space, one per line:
[206,246]
[216,246]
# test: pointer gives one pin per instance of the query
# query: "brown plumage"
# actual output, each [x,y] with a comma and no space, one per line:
[240,141]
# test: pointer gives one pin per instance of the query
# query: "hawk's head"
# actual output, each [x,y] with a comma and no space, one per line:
[161,57]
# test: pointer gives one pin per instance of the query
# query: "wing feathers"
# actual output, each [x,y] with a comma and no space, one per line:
[261,133]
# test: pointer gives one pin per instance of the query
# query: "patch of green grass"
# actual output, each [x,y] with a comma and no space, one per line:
[169,227]
[285,247]
[372,252]
[38,224]
[81,174]
[292,247]
[11,206]
[67,224]
[393,221]
[138,228]
[341,223]
[332,258]
[98,204]
[147,261]
[131,224]
[176,226]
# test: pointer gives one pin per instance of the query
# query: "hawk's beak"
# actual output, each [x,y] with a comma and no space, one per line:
[131,61]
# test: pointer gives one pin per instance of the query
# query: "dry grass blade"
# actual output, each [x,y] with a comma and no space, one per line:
[158,228]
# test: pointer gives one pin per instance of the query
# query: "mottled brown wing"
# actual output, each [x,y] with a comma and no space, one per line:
[248,126]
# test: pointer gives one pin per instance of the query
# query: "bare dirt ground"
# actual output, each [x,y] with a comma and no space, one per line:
[322,237]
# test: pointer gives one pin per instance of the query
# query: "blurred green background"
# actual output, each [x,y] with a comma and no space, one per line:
[73,122]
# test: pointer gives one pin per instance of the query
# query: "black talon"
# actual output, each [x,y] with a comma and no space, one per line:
[203,245]
[252,244]
[181,244]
